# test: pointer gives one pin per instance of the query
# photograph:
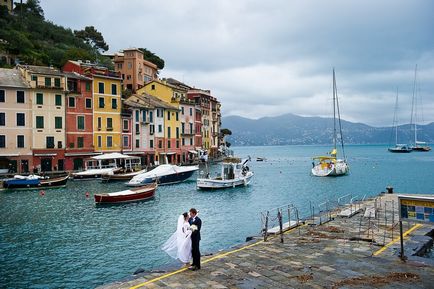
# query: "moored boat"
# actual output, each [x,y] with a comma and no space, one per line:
[234,173]
[130,195]
[34,182]
[331,166]
[400,148]
[164,175]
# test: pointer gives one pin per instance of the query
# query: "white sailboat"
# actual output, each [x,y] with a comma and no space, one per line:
[327,166]
[398,148]
[419,146]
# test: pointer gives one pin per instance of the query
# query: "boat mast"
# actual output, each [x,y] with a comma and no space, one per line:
[334,109]
[339,118]
[395,121]
[413,106]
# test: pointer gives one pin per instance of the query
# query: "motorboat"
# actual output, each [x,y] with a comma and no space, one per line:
[107,164]
[163,174]
[130,195]
[234,173]
[35,182]
[328,166]
[121,176]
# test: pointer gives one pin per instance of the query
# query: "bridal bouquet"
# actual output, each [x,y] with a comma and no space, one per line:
[193,228]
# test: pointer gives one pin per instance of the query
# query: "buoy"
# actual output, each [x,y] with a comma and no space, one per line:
[42,193]
[87,194]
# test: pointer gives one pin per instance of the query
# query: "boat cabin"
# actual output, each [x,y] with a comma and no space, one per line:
[114,160]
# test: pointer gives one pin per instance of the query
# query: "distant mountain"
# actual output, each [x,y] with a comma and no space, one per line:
[293,129]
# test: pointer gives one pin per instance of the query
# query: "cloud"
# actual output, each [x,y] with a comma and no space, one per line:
[268,58]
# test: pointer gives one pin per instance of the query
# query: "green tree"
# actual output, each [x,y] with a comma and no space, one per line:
[152,57]
[225,131]
[92,37]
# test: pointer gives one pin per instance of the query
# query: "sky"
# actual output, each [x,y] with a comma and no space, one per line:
[267,58]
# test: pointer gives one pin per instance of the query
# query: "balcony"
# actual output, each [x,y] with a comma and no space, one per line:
[187,133]
[43,85]
[109,128]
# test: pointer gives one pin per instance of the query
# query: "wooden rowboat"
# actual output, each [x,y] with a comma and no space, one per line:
[131,195]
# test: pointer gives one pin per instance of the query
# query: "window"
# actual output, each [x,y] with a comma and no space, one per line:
[125,124]
[34,78]
[114,89]
[114,103]
[177,132]
[100,87]
[177,143]
[128,77]
[153,87]
[39,122]
[137,128]
[160,144]
[177,116]
[2,118]
[119,65]
[80,122]
[101,102]
[99,141]
[57,82]
[2,141]
[80,142]
[183,141]
[151,117]
[50,142]
[144,115]
[2,95]
[137,143]
[168,144]
[99,123]
[168,132]
[39,98]
[160,128]
[71,101]
[88,103]
[47,81]
[58,99]
[151,129]
[125,141]
[20,141]
[182,110]
[191,141]
[109,123]
[151,143]
[58,122]
[87,86]
[191,111]
[21,119]
[137,116]
[168,115]
[130,65]
[182,127]
[109,141]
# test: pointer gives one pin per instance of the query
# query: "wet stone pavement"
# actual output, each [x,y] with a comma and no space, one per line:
[341,253]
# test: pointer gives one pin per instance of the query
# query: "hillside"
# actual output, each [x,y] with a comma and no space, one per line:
[292,129]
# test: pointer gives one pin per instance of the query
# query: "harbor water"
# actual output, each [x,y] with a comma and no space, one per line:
[62,240]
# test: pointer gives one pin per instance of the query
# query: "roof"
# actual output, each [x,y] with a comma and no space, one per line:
[177,83]
[76,75]
[12,78]
[147,101]
[47,70]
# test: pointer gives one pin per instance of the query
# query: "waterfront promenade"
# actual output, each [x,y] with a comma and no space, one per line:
[355,252]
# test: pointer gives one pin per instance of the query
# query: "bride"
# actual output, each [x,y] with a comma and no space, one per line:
[179,244]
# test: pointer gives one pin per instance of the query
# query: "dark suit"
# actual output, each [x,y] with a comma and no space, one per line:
[195,239]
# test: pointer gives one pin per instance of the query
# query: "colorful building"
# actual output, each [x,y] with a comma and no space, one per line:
[106,105]
[202,98]
[15,123]
[134,69]
[188,131]
[79,120]
[47,97]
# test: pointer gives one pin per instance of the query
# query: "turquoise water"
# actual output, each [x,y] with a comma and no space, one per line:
[62,240]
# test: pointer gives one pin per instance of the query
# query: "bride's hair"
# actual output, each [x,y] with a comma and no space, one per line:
[185,214]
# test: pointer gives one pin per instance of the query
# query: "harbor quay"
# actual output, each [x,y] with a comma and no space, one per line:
[353,246]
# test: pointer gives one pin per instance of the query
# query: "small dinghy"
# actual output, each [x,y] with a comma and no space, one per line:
[131,195]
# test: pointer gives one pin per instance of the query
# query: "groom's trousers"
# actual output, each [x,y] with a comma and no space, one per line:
[195,252]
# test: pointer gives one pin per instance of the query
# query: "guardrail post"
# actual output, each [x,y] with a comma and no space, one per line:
[279,217]
[266,226]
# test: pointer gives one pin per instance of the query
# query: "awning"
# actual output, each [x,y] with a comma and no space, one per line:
[46,155]
[193,152]
[170,153]
[81,154]
[134,153]
[111,156]
[9,155]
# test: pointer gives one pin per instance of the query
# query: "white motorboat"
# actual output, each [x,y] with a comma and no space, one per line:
[331,166]
[163,174]
[233,173]
[107,164]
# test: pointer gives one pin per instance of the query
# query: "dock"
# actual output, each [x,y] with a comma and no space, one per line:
[351,251]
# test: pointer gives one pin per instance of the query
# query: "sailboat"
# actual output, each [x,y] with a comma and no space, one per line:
[398,148]
[419,146]
[326,166]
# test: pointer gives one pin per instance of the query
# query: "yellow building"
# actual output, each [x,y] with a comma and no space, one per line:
[106,113]
[172,120]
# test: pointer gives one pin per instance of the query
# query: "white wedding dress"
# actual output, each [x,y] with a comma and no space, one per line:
[179,244]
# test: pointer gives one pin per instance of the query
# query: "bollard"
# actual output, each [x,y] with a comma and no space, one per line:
[279,217]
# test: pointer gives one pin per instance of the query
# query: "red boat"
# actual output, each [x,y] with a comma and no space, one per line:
[131,195]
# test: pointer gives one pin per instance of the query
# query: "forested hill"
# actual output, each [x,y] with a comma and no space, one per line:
[26,36]
[293,129]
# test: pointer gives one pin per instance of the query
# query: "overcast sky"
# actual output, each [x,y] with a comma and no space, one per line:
[266,58]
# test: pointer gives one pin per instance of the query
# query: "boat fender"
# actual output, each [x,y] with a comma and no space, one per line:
[42,193]
[87,194]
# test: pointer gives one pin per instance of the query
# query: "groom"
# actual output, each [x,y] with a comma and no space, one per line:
[195,239]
